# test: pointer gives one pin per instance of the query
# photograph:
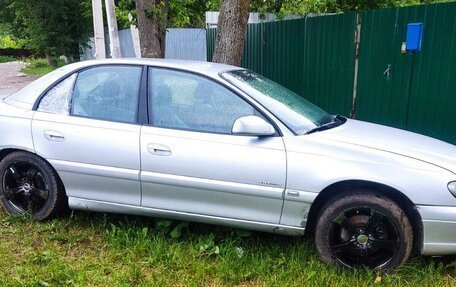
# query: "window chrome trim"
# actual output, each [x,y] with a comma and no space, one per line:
[220,81]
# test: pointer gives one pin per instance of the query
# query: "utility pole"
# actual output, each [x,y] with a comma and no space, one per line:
[135,37]
[112,27]
[100,49]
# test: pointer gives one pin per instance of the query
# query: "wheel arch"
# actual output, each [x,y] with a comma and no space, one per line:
[6,151]
[344,187]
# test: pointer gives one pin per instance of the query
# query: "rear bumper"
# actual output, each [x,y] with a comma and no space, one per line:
[439,229]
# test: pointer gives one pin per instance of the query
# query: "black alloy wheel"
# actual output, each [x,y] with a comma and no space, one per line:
[363,229]
[25,187]
[363,237]
[29,185]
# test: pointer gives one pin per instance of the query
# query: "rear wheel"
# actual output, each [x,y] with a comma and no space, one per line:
[364,230]
[29,185]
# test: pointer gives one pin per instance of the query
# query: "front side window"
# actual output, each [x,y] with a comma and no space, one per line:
[186,101]
[107,93]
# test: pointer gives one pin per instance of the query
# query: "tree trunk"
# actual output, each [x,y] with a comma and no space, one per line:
[232,23]
[152,21]
[50,59]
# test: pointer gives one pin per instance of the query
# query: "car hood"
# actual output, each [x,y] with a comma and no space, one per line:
[395,141]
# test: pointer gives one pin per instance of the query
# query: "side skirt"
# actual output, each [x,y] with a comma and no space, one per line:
[109,207]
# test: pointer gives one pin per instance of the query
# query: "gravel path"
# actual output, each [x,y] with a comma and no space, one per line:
[11,79]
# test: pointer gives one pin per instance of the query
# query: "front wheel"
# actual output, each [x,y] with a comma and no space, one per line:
[29,185]
[364,230]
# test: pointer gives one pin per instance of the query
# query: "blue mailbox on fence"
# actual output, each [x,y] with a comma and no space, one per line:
[414,37]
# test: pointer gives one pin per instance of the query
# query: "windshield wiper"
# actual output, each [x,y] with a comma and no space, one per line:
[335,121]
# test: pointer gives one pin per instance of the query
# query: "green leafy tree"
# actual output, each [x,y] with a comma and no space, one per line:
[181,13]
[50,27]
[125,10]
[189,13]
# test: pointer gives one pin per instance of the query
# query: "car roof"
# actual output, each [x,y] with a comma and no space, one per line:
[206,68]
[27,96]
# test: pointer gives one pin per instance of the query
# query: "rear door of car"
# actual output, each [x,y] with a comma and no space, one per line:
[87,128]
[192,163]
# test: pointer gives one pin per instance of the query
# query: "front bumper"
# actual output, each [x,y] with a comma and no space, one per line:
[439,229]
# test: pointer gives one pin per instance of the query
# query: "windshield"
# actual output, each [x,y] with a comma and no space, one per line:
[294,111]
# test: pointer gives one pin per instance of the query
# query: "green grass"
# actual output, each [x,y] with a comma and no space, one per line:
[5,59]
[39,67]
[90,249]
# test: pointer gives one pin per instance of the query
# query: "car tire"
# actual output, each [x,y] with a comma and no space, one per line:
[29,185]
[363,229]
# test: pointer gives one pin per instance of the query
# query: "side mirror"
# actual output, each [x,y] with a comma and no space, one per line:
[252,126]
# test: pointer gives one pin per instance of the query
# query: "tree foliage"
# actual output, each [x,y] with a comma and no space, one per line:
[302,7]
[191,13]
[49,27]
[181,13]
[125,10]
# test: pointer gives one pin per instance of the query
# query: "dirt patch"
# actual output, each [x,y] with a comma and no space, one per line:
[11,78]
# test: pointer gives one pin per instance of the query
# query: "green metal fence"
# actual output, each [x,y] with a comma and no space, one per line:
[420,92]
[312,56]
[315,57]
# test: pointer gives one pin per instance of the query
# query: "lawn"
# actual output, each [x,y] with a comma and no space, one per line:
[35,67]
[5,59]
[93,249]
[39,67]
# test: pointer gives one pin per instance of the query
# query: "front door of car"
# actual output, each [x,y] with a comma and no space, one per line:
[190,161]
[93,143]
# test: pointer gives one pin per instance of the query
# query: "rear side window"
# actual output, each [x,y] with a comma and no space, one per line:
[29,93]
[108,93]
[57,100]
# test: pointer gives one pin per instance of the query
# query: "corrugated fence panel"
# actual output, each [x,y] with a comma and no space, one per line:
[210,43]
[433,92]
[88,53]
[253,48]
[283,52]
[383,71]
[186,43]
[418,91]
[127,49]
[328,64]
[313,57]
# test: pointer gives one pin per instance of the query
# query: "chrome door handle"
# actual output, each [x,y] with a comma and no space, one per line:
[54,136]
[158,149]
[293,193]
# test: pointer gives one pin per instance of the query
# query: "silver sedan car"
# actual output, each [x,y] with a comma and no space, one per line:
[223,145]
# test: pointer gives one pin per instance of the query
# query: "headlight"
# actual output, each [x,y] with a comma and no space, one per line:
[452,188]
